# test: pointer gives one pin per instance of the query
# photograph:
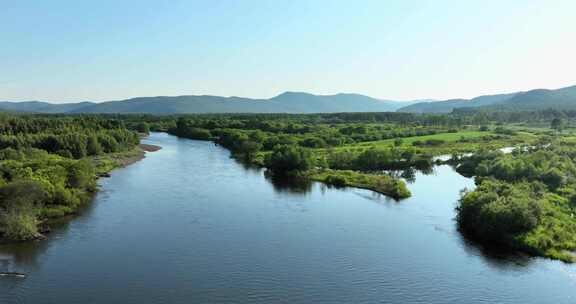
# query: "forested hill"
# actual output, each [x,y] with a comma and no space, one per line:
[564,98]
[42,107]
[304,103]
[288,102]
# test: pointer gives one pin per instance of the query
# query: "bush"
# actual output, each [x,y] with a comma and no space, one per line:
[289,158]
[197,133]
[19,224]
[504,131]
[434,142]
[93,147]
[143,127]
[21,194]
[499,211]
[313,142]
[336,180]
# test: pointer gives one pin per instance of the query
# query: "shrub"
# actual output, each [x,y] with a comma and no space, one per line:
[499,211]
[19,224]
[289,158]
[336,180]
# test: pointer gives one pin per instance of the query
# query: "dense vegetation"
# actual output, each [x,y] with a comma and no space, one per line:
[526,199]
[367,143]
[48,166]
[313,144]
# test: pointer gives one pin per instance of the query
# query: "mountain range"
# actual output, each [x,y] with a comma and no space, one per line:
[288,102]
[564,98]
[298,102]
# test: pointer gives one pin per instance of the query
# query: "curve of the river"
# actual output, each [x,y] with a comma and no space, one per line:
[190,225]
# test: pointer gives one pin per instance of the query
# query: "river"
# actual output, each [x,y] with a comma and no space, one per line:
[188,224]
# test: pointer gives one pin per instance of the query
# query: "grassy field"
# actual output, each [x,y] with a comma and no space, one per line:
[448,137]
[376,182]
[457,142]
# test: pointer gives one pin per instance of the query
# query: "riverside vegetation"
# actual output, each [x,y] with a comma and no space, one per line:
[346,149]
[49,165]
[524,200]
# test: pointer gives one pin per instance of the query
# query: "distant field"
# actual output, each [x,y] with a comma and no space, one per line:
[451,142]
[448,137]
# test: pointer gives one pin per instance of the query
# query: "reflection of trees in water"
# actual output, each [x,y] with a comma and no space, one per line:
[426,169]
[23,256]
[248,166]
[409,175]
[497,257]
[288,184]
[502,259]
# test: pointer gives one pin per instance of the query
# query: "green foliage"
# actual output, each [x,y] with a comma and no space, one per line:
[557,124]
[44,171]
[21,194]
[143,127]
[524,199]
[73,137]
[93,146]
[18,202]
[289,158]
[384,184]
[499,211]
[336,180]
[81,175]
[19,224]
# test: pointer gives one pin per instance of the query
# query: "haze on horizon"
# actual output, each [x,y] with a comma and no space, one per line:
[66,51]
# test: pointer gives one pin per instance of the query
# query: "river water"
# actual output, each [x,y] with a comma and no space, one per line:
[190,225]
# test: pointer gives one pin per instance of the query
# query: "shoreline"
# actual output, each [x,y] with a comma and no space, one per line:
[141,149]
[356,179]
[104,164]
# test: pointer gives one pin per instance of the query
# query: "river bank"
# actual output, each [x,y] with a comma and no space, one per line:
[103,164]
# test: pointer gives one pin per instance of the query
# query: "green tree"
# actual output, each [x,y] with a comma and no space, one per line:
[557,124]
[289,158]
[93,147]
[81,175]
[143,127]
[18,204]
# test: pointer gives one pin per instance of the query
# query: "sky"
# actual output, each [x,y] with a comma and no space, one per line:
[70,50]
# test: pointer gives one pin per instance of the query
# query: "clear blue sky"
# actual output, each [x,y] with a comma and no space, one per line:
[104,50]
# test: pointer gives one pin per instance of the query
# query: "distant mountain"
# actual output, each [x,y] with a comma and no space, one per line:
[446,106]
[299,102]
[564,98]
[289,102]
[41,107]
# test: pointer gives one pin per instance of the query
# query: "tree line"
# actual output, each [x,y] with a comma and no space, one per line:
[46,166]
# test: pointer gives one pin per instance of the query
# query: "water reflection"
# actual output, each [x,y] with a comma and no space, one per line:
[24,256]
[497,257]
[288,184]
[409,175]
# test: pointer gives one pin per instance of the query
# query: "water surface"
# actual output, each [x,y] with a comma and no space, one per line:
[190,225]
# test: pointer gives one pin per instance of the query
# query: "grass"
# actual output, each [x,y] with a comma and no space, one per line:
[448,137]
[384,184]
[458,142]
